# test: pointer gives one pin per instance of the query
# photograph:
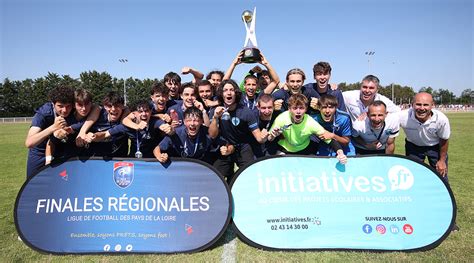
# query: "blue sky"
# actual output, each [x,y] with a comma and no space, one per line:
[416,42]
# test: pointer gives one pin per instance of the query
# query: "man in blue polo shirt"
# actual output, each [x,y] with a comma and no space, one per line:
[144,131]
[189,141]
[337,123]
[294,81]
[322,74]
[250,92]
[108,135]
[188,95]
[48,118]
[235,123]
[266,116]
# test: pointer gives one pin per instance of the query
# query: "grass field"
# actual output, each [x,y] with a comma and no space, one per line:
[458,247]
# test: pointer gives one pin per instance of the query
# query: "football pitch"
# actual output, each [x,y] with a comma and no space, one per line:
[458,247]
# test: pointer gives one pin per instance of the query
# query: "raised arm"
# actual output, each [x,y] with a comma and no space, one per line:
[197,75]
[214,126]
[90,120]
[237,60]
[273,75]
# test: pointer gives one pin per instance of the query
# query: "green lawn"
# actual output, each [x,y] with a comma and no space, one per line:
[458,247]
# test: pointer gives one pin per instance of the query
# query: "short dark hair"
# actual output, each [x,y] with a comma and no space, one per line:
[371,78]
[62,94]
[173,77]
[377,103]
[204,82]
[326,100]
[82,96]
[220,91]
[142,104]
[322,68]
[250,77]
[113,98]
[192,111]
[189,85]
[218,72]
[159,87]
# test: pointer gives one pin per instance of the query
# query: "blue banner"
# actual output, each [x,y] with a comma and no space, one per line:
[383,203]
[123,206]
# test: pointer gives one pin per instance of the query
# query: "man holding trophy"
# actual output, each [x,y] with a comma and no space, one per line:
[251,54]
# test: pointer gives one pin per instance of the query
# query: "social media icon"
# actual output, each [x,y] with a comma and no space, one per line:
[118,247]
[394,229]
[129,247]
[408,229]
[367,228]
[106,247]
[381,229]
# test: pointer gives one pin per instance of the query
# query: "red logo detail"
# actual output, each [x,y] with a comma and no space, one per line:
[408,229]
[381,229]
[189,229]
[63,174]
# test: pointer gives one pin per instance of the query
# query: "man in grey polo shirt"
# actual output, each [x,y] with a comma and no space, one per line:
[376,134]
[427,133]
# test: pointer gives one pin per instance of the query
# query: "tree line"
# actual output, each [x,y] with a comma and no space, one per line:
[21,98]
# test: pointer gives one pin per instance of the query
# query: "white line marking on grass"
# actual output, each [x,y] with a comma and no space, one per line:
[229,254]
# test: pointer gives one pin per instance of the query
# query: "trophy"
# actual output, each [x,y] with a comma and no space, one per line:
[251,52]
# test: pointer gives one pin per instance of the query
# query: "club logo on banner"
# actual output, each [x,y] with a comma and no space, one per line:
[76,207]
[123,174]
[371,203]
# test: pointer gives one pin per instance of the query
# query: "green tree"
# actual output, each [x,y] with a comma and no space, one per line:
[99,84]
[444,96]
[427,90]
[466,96]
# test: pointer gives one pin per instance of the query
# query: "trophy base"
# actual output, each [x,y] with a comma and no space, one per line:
[251,55]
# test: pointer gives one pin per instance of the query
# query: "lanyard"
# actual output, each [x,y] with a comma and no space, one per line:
[247,101]
[186,153]
[381,132]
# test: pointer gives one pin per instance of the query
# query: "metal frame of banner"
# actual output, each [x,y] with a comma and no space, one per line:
[83,159]
[427,247]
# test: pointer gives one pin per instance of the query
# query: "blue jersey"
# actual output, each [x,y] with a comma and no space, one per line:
[179,108]
[181,145]
[238,129]
[169,103]
[336,93]
[251,104]
[67,148]
[341,126]
[117,144]
[43,118]
[267,148]
[148,138]
[285,95]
